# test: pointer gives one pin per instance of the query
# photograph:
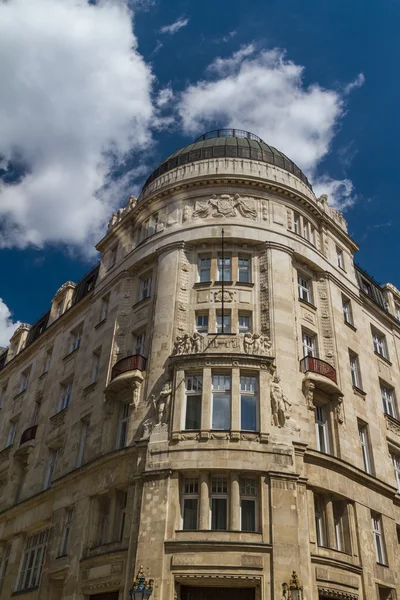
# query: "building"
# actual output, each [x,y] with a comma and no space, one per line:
[220,411]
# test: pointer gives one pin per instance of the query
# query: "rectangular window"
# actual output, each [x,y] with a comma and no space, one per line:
[366,287]
[365,446]
[396,467]
[82,442]
[202,323]
[139,340]
[347,314]
[104,307]
[339,257]
[47,360]
[190,503]
[36,412]
[244,269]
[397,311]
[204,269]
[113,256]
[32,560]
[304,289]
[3,392]
[244,322]
[296,222]
[226,322]
[224,268]
[389,405]
[75,340]
[150,226]
[121,517]
[219,503]
[322,429]
[221,409]
[95,366]
[378,538]
[248,504]
[379,342]
[194,391]
[12,431]
[65,397]
[339,518]
[104,520]
[59,306]
[67,527]
[309,345]
[306,229]
[24,380]
[145,287]
[320,521]
[4,563]
[51,467]
[355,370]
[248,403]
[123,426]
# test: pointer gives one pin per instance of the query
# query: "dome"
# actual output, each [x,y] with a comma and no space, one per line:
[228,143]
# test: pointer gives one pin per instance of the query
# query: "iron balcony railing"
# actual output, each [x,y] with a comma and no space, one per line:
[316,365]
[28,435]
[129,363]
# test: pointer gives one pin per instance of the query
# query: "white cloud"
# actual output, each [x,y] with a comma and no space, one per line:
[174,27]
[75,96]
[340,193]
[356,83]
[264,92]
[7,325]
[164,96]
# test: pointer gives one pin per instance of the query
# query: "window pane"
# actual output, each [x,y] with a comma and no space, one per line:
[193,412]
[218,513]
[190,513]
[248,515]
[248,412]
[221,418]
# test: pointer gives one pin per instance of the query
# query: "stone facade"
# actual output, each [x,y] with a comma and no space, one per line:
[138,430]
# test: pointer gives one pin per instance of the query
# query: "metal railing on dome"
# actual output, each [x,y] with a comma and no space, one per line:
[238,133]
[316,365]
[129,363]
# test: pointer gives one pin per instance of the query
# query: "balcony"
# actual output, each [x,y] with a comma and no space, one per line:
[321,373]
[28,435]
[126,374]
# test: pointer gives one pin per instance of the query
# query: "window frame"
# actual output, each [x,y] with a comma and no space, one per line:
[145,286]
[104,306]
[206,268]
[340,258]
[304,289]
[219,321]
[69,514]
[388,400]
[355,370]
[82,442]
[347,311]
[65,396]
[226,267]
[305,333]
[322,428]
[75,339]
[396,467]
[113,256]
[321,530]
[253,498]
[123,425]
[204,327]
[24,380]
[247,315]
[190,392]
[216,495]
[380,344]
[30,571]
[4,563]
[249,393]
[12,432]
[139,342]
[219,393]
[51,467]
[377,530]
[190,492]
[96,355]
[365,443]
[241,269]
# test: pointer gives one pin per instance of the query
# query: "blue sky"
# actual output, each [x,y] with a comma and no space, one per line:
[94,96]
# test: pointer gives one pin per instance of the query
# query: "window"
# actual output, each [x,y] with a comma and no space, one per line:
[24,380]
[322,429]
[219,503]
[243,269]
[51,467]
[104,520]
[320,521]
[113,256]
[32,560]
[139,340]
[75,339]
[104,307]
[4,563]
[12,431]
[224,268]
[194,389]
[378,538]
[145,287]
[36,412]
[67,527]
[47,360]
[66,389]
[309,345]
[95,366]
[296,221]
[248,403]
[339,257]
[59,309]
[244,322]
[355,370]
[122,498]
[221,402]
[306,229]
[248,500]
[123,426]
[379,342]
[389,405]
[366,287]
[3,392]
[397,310]
[150,226]
[202,323]
[190,503]
[226,328]
[82,442]
[365,447]
[304,289]
[341,525]
[396,467]
[204,269]
[347,314]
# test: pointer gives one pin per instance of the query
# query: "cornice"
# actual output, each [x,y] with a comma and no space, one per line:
[204,545]
[328,561]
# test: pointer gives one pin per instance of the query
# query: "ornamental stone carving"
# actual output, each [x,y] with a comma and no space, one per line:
[161,403]
[226,295]
[339,414]
[197,343]
[147,428]
[334,593]
[281,407]
[225,206]
[253,343]
[117,215]
[308,390]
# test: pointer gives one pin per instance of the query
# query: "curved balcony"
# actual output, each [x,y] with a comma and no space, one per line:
[321,373]
[28,435]
[126,372]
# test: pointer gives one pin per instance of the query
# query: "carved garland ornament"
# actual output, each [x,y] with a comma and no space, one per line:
[224,206]
[250,343]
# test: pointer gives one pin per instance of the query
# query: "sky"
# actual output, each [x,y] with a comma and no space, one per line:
[94,94]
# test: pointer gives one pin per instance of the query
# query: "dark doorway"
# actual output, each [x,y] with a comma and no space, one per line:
[211,593]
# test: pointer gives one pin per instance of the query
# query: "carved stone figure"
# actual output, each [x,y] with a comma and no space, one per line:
[339,410]
[285,591]
[225,206]
[186,344]
[131,203]
[197,342]
[113,221]
[186,213]
[254,343]
[309,388]
[280,405]
[264,210]
[294,582]
[248,343]
[135,394]
[147,428]
[162,402]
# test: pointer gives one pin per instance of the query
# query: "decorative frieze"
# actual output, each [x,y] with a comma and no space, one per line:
[326,321]
[335,593]
[224,205]
[196,343]
[182,303]
[264,294]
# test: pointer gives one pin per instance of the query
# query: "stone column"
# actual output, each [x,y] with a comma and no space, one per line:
[204,520]
[206,400]
[179,408]
[330,524]
[234,503]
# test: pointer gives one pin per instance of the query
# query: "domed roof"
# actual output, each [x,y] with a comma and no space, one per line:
[231,143]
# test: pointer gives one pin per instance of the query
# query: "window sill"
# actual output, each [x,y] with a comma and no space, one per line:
[100,323]
[43,375]
[382,565]
[248,284]
[200,284]
[350,325]
[26,591]
[71,353]
[309,304]
[220,283]
[21,393]
[142,301]
[387,361]
[61,556]
[359,391]
[89,387]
